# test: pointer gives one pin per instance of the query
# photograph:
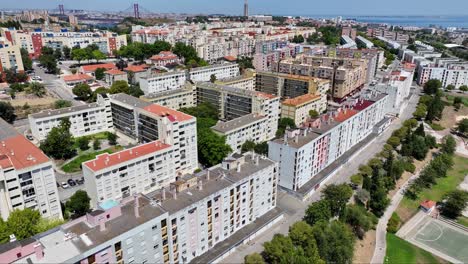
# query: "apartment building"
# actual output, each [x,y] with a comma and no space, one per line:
[270,52]
[250,127]
[374,57]
[147,122]
[289,85]
[245,81]
[349,31]
[347,43]
[141,169]
[10,57]
[175,99]
[347,75]
[112,76]
[163,82]
[298,108]
[451,73]
[303,153]
[85,119]
[395,36]
[397,85]
[27,178]
[190,221]
[164,58]
[391,44]
[363,41]
[221,71]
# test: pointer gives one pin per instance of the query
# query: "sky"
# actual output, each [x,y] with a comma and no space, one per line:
[275,7]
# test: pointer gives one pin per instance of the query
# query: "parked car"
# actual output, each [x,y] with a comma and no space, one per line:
[30,137]
[71,182]
[64,185]
[80,180]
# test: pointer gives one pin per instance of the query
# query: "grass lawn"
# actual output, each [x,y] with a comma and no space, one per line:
[450,99]
[75,164]
[399,251]
[463,221]
[454,177]
[100,136]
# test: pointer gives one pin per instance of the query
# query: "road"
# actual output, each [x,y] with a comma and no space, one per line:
[294,209]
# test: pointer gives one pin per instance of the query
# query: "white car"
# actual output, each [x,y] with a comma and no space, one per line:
[65,185]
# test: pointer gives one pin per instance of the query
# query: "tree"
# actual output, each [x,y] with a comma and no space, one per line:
[96,144]
[245,63]
[318,211]
[278,248]
[432,86]
[78,204]
[100,90]
[337,196]
[394,142]
[454,203]
[283,124]
[450,87]
[410,123]
[362,196]
[203,110]
[378,193]
[99,73]
[58,54]
[213,78]
[359,219]
[82,91]
[79,54]
[119,87]
[463,88]
[435,108]
[298,39]
[112,138]
[27,62]
[449,144]
[7,112]
[59,142]
[38,89]
[66,52]
[302,236]
[419,147]
[248,146]
[212,148]
[11,76]
[22,223]
[420,130]
[335,242]
[313,113]
[62,104]
[135,91]
[254,258]
[365,170]
[430,141]
[262,148]
[98,55]
[462,126]
[83,143]
[48,60]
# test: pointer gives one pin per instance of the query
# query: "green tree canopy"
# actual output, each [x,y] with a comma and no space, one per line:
[462,126]
[59,142]
[99,73]
[7,112]
[318,211]
[248,146]
[454,203]
[62,104]
[359,219]
[82,91]
[254,258]
[22,223]
[449,144]
[337,196]
[27,62]
[432,86]
[335,242]
[38,89]
[78,204]
[119,87]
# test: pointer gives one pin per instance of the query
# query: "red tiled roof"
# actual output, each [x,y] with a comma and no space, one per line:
[93,68]
[299,100]
[428,204]
[345,115]
[107,160]
[171,114]
[361,105]
[136,68]
[115,72]
[230,58]
[20,153]
[77,77]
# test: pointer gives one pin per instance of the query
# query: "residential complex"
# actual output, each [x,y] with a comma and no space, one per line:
[245,81]
[220,71]
[10,57]
[185,222]
[449,73]
[174,99]
[298,108]
[304,153]
[347,75]
[27,178]
[84,120]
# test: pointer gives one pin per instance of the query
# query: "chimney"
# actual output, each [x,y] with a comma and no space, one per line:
[102,224]
[305,132]
[200,185]
[296,138]
[12,238]
[174,194]
[238,167]
[256,160]
[207,175]
[39,251]
[163,193]
[136,205]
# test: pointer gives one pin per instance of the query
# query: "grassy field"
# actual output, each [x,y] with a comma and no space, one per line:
[399,251]
[454,177]
[463,221]
[100,136]
[450,99]
[75,164]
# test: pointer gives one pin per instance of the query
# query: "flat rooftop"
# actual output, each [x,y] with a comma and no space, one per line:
[235,124]
[129,100]
[64,111]
[301,100]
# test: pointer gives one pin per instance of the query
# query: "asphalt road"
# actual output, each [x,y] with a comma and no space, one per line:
[294,209]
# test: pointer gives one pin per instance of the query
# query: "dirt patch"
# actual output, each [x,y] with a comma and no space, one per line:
[364,249]
[450,117]
[26,104]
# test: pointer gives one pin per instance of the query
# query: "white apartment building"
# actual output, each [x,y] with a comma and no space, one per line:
[221,71]
[141,169]
[191,221]
[390,43]
[303,154]
[237,131]
[245,81]
[367,43]
[454,73]
[10,57]
[27,178]
[163,82]
[85,119]
[147,122]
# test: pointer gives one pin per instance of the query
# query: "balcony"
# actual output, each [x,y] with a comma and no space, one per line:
[165,249]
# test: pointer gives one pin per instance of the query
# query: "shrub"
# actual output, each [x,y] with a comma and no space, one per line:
[409,167]
[356,179]
[393,223]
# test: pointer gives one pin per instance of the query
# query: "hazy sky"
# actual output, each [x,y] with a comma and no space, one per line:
[286,7]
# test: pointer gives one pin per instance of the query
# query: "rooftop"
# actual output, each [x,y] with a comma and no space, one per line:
[136,68]
[115,72]
[171,114]
[77,77]
[130,100]
[235,124]
[108,160]
[20,153]
[301,100]
[62,111]
[93,68]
